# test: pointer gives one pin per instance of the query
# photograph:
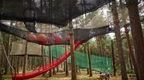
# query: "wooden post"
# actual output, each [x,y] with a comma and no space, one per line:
[119,41]
[42,52]
[87,71]
[18,63]
[66,68]
[14,64]
[30,63]
[89,60]
[54,72]
[137,36]
[66,64]
[85,51]
[73,66]
[25,58]
[57,68]
[113,58]
[50,60]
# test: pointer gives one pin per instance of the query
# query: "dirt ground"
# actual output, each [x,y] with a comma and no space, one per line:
[80,76]
[61,76]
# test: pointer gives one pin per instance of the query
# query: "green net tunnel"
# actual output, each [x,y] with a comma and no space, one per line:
[98,63]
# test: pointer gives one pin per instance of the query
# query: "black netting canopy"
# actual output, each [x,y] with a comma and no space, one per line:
[59,37]
[47,11]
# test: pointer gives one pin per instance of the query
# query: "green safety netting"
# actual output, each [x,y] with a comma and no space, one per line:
[98,63]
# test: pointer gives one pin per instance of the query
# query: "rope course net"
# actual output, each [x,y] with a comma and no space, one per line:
[57,12]
[56,38]
[47,11]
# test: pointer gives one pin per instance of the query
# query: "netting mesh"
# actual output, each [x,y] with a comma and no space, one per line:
[47,11]
[18,48]
[30,26]
[98,63]
[60,37]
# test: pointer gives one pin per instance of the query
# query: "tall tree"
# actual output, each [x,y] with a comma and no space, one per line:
[137,35]
[118,40]
[131,52]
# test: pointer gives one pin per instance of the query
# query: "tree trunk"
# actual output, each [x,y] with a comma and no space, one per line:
[89,59]
[87,71]
[66,68]
[54,72]
[113,59]
[50,59]
[73,66]
[119,41]
[85,51]
[57,68]
[131,53]
[18,63]
[66,64]
[42,52]
[0,76]
[137,36]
